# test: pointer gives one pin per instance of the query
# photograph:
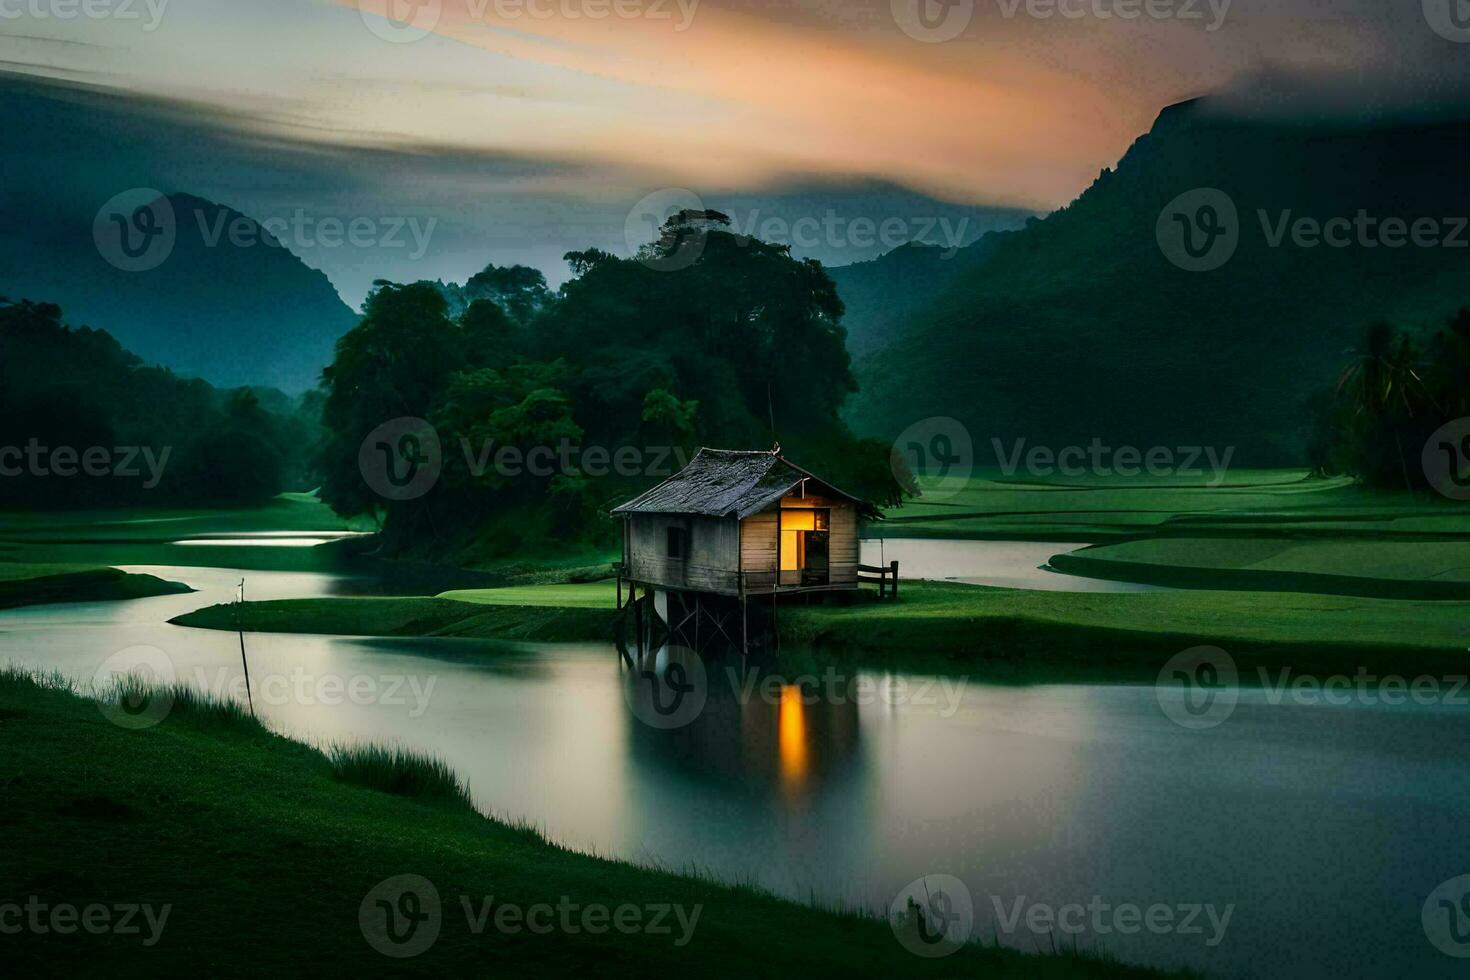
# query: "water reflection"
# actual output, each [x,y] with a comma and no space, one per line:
[849,789]
[792,736]
[739,724]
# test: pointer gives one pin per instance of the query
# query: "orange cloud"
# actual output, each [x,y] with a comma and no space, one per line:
[713,98]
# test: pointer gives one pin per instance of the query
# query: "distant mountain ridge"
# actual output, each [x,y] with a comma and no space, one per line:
[198,287]
[1080,326]
[883,295]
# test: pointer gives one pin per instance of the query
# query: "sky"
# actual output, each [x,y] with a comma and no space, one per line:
[526,128]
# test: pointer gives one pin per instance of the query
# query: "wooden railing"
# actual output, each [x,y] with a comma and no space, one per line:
[884,576]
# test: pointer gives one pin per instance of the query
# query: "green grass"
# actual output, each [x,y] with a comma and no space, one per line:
[409,616]
[960,627]
[1119,633]
[1411,569]
[288,512]
[589,595]
[137,536]
[992,506]
[265,855]
[396,770]
[24,584]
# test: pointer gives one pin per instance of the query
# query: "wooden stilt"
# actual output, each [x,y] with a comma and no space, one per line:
[637,622]
[775,625]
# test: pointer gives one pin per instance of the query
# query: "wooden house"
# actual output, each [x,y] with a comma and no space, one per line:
[740,524]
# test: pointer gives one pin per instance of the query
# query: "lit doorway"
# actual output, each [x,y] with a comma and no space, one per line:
[805,546]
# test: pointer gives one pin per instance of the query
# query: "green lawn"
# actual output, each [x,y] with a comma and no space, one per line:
[265,854]
[24,584]
[412,616]
[1390,568]
[954,627]
[288,512]
[969,625]
[138,536]
[994,506]
[587,595]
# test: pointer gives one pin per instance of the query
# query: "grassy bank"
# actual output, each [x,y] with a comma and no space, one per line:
[24,584]
[954,626]
[1385,568]
[409,616]
[994,506]
[269,537]
[161,536]
[263,845]
[1125,632]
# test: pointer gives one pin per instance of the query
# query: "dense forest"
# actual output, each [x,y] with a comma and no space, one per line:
[1079,325]
[704,338]
[84,423]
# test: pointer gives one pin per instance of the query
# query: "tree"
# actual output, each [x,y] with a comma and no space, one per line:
[517,289]
[742,345]
[1386,396]
[1395,392]
[392,365]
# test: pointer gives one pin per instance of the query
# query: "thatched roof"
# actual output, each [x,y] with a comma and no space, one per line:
[726,483]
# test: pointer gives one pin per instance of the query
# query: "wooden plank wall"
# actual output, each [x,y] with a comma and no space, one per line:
[714,547]
[842,545]
[758,546]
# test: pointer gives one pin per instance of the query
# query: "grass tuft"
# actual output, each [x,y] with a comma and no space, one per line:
[15,679]
[399,771]
[175,703]
[204,709]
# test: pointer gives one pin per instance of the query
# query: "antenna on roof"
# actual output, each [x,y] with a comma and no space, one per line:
[771,409]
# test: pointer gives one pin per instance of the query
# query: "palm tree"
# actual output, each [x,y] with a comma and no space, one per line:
[1385,389]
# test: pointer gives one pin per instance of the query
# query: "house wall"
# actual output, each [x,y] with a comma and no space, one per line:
[714,552]
[759,538]
[842,544]
[758,549]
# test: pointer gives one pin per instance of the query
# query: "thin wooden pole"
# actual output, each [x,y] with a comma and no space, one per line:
[638,621]
[249,695]
[744,629]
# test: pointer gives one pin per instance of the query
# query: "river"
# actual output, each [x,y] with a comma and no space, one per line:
[1319,830]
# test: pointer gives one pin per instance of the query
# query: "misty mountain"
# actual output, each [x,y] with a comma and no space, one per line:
[182,282]
[1081,325]
[883,295]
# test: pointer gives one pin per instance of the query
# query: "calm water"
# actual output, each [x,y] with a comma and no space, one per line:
[1324,828]
[1004,564]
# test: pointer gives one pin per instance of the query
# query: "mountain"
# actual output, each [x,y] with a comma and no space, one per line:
[198,287]
[885,294]
[1081,325]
